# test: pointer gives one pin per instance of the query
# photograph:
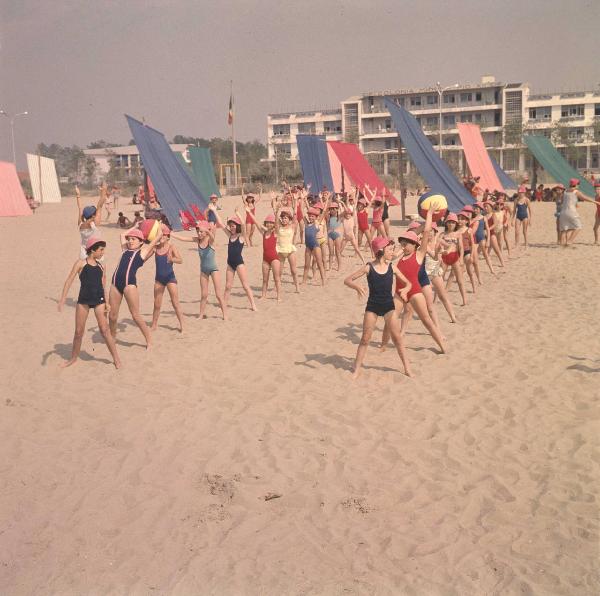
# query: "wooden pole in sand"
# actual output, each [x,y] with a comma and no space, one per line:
[401,180]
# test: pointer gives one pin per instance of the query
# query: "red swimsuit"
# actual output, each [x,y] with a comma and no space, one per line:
[269,248]
[410,269]
[363,220]
[249,220]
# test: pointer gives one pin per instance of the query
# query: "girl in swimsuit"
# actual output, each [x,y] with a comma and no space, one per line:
[362,217]
[348,221]
[89,218]
[285,231]
[165,255]
[430,275]
[467,240]
[506,217]
[451,248]
[409,264]
[236,232]
[313,252]
[385,217]
[493,230]
[522,216]
[377,218]
[271,260]
[93,294]
[301,195]
[124,282]
[250,208]
[479,228]
[204,240]
[380,303]
[334,234]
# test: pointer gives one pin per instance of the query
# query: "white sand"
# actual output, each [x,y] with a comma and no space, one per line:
[480,476]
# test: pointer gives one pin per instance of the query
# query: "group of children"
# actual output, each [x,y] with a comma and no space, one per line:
[430,259]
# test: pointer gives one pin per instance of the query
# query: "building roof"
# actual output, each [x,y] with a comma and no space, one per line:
[128,150]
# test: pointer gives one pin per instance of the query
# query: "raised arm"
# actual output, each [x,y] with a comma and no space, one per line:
[79,209]
[77,267]
[148,249]
[175,236]
[422,250]
[260,227]
[99,205]
[585,198]
[242,225]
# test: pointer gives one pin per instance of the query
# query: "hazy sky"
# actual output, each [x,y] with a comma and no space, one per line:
[77,66]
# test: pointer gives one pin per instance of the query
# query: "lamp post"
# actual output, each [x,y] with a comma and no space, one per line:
[12,130]
[440,90]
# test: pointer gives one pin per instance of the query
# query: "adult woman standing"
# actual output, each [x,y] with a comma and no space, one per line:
[569,220]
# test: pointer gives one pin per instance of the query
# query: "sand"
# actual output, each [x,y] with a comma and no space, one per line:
[240,457]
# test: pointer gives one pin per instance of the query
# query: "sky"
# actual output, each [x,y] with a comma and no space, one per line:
[78,66]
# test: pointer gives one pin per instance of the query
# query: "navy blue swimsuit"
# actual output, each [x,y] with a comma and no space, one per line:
[164,270]
[380,299]
[125,273]
[91,292]
[234,253]
[422,275]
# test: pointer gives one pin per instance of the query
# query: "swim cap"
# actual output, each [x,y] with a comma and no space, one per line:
[94,240]
[88,211]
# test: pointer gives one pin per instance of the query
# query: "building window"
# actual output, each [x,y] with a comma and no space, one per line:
[451,98]
[332,127]
[477,117]
[281,130]
[540,113]
[432,121]
[388,125]
[576,134]
[571,111]
[415,101]
[466,118]
[432,100]
[284,150]
[464,97]
[448,120]
[478,96]
[307,128]
[597,109]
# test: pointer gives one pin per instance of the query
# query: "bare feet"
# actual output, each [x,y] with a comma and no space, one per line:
[68,363]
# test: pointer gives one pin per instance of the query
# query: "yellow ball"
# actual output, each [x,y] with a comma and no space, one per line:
[429,199]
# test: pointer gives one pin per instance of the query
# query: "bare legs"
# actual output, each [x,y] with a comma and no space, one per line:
[335,249]
[317,256]
[216,279]
[266,271]
[230,274]
[132,297]
[159,291]
[391,324]
[81,314]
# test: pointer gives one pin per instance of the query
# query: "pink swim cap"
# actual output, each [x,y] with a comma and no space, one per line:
[270,218]
[379,243]
[135,233]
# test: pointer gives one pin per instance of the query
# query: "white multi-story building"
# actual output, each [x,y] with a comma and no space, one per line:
[126,159]
[502,110]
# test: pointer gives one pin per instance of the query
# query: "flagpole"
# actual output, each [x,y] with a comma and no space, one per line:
[235,176]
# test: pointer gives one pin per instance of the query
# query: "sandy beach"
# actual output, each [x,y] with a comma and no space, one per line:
[240,458]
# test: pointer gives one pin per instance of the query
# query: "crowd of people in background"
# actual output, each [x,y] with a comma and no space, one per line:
[431,255]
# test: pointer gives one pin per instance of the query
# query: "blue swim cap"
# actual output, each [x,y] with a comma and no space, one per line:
[88,212]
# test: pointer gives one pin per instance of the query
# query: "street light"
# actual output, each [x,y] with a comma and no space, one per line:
[440,91]
[12,130]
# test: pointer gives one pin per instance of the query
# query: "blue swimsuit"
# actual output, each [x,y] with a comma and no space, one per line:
[125,273]
[310,236]
[164,270]
[480,232]
[333,224]
[522,211]
[234,253]
[422,275]
[208,264]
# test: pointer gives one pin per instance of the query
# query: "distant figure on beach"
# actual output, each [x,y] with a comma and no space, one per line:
[89,218]
[569,220]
